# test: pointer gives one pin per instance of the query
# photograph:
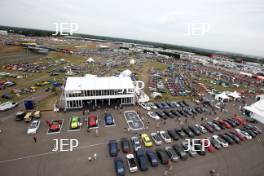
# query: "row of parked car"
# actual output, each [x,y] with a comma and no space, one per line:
[178,151]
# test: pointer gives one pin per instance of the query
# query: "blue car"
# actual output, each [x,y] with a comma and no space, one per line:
[153,160]
[119,166]
[109,120]
[142,161]
[113,148]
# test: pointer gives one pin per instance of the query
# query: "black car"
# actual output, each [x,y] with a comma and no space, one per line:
[175,113]
[215,144]
[119,166]
[253,128]
[232,123]
[20,116]
[180,132]
[208,127]
[113,148]
[186,104]
[195,130]
[188,132]
[142,160]
[162,155]
[234,137]
[180,151]
[125,145]
[228,139]
[152,158]
[181,112]
[173,135]
[219,124]
[199,149]
[169,114]
[161,115]
[250,132]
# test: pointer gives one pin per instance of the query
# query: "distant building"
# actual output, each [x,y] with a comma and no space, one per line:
[2,32]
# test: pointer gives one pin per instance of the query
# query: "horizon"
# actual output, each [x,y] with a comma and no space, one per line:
[163,22]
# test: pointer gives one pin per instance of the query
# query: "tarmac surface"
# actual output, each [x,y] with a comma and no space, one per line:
[19,155]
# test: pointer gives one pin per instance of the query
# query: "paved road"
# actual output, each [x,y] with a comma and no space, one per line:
[19,155]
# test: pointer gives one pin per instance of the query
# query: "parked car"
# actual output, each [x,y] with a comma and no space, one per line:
[173,134]
[92,120]
[131,162]
[229,140]
[210,147]
[152,158]
[33,127]
[195,130]
[146,140]
[113,148]
[156,138]
[221,141]
[36,114]
[225,124]
[75,122]
[172,154]
[20,115]
[109,120]
[162,155]
[180,132]
[188,148]
[119,166]
[213,125]
[135,143]
[153,115]
[199,148]
[125,145]
[145,106]
[188,132]
[169,114]
[142,161]
[251,133]
[7,105]
[28,117]
[244,134]
[255,129]
[201,128]
[215,143]
[165,136]
[180,151]
[234,137]
[161,115]
[208,127]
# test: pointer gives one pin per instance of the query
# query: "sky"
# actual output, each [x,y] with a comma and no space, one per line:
[226,25]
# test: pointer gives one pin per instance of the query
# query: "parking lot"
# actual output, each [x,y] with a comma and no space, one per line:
[20,155]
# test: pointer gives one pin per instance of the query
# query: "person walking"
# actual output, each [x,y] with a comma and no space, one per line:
[35,139]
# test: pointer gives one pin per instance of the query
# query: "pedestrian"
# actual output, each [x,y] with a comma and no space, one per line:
[89,158]
[212,172]
[186,121]
[202,119]
[95,156]
[35,139]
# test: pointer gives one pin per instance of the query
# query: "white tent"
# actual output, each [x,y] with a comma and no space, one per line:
[257,110]
[234,95]
[125,73]
[222,97]
[90,60]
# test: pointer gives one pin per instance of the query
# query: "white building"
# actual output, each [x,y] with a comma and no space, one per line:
[82,92]
[256,110]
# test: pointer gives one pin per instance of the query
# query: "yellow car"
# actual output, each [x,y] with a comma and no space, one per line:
[146,140]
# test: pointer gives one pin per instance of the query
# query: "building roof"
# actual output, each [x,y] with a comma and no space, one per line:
[98,83]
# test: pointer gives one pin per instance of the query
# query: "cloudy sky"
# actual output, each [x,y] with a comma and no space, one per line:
[229,25]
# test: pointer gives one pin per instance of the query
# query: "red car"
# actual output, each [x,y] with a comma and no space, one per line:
[242,138]
[92,120]
[55,125]
[225,124]
[210,148]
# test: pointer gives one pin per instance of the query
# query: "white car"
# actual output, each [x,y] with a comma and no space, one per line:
[145,106]
[165,136]
[244,133]
[153,115]
[201,128]
[131,162]
[33,127]
[7,105]
[156,138]
[152,105]
[220,141]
